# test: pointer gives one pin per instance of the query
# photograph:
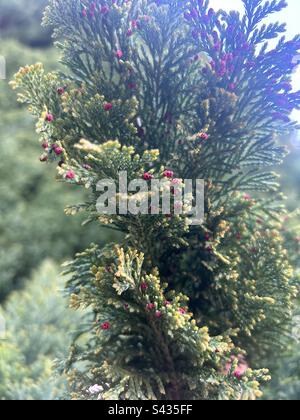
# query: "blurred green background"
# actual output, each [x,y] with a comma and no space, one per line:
[36,236]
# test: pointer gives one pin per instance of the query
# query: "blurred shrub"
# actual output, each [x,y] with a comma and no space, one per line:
[39,328]
[33,225]
[21,20]
[285,384]
[291,178]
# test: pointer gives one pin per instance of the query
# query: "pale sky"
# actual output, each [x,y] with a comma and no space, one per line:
[291,15]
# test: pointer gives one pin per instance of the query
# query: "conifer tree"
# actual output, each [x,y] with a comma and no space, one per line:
[28,225]
[173,90]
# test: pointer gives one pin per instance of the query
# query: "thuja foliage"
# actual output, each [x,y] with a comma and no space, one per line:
[29,226]
[285,369]
[174,90]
